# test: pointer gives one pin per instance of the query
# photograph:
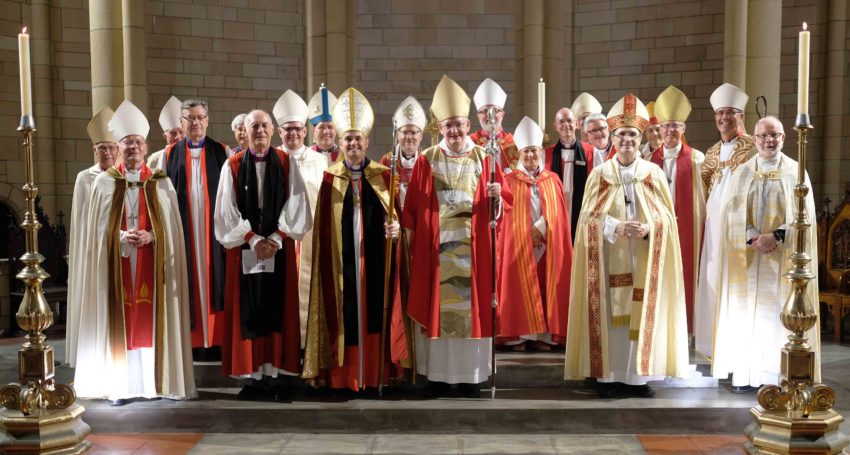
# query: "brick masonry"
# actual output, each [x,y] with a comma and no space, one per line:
[240,54]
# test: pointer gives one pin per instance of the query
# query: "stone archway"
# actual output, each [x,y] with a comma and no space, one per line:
[11,202]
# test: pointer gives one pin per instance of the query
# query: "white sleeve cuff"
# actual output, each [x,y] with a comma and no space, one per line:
[540,225]
[275,237]
[609,231]
[253,241]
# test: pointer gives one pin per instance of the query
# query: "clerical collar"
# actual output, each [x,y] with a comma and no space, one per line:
[770,163]
[569,146]
[359,168]
[467,146]
[258,157]
[297,152]
[196,145]
[607,147]
[408,162]
[729,142]
[673,152]
[625,166]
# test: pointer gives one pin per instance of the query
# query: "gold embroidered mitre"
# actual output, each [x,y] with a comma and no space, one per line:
[629,111]
[450,100]
[672,105]
[352,112]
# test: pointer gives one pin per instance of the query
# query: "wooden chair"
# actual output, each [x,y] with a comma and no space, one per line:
[835,282]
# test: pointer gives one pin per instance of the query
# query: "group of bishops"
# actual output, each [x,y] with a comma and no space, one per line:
[321,263]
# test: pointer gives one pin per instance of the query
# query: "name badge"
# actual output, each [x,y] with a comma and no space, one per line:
[581,163]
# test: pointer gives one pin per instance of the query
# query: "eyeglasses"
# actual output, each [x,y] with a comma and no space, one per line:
[627,135]
[673,126]
[410,133]
[726,112]
[106,148]
[293,129]
[192,119]
[773,136]
[598,131]
[132,142]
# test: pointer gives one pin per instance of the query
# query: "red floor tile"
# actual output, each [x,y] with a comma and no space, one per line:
[720,444]
[664,444]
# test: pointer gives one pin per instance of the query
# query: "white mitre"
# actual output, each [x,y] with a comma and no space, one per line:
[128,120]
[528,134]
[586,104]
[489,93]
[410,112]
[727,95]
[290,108]
[169,116]
[321,106]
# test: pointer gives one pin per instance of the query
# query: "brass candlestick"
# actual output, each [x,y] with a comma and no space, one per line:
[39,415]
[796,417]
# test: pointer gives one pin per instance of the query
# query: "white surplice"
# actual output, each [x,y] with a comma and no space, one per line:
[100,373]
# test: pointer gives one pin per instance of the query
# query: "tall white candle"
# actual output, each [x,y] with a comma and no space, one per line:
[26,77]
[803,72]
[541,104]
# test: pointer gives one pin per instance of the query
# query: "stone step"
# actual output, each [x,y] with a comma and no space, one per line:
[514,370]
[573,409]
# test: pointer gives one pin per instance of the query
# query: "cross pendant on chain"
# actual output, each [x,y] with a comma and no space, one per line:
[133,220]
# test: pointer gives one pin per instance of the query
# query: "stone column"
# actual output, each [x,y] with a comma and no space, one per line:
[735,43]
[532,55]
[336,45]
[316,46]
[553,61]
[42,56]
[836,114]
[107,61]
[135,62]
[764,35]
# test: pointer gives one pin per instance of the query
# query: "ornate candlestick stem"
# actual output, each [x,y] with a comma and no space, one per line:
[797,416]
[39,415]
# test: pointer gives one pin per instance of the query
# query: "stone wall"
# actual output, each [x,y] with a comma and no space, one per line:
[405,46]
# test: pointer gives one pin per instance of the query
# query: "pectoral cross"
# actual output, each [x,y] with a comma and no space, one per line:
[134,219]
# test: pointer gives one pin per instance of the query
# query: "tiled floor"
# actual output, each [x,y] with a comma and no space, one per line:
[222,443]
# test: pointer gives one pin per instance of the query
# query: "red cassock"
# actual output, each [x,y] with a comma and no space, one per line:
[422,215]
[243,355]
[683,205]
[534,295]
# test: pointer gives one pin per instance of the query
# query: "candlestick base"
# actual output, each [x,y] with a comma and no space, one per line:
[59,431]
[27,123]
[803,121]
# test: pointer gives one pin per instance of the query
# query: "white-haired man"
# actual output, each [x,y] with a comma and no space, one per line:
[240,134]
[758,239]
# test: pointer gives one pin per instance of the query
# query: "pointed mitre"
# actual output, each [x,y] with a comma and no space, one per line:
[628,111]
[672,105]
[727,95]
[128,120]
[410,112]
[320,106]
[352,112]
[650,109]
[169,116]
[586,104]
[450,100]
[290,108]
[528,134]
[489,93]
[98,127]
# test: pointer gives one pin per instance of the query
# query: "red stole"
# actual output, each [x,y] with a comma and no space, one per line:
[683,205]
[422,215]
[138,299]
[334,153]
[534,297]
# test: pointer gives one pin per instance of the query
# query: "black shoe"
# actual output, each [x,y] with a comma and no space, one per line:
[118,402]
[435,389]
[739,389]
[641,391]
[199,354]
[250,392]
[607,389]
[280,393]
[469,390]
[213,354]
